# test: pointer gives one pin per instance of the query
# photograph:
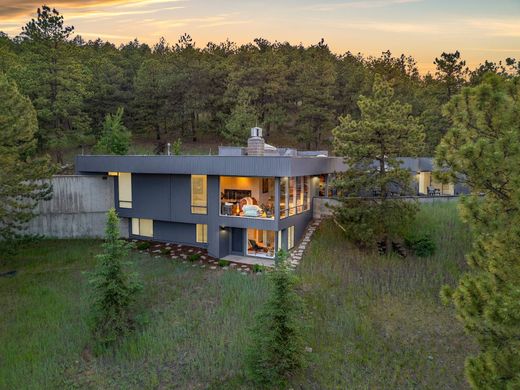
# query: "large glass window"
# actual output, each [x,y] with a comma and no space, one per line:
[292,195]
[306,193]
[124,183]
[199,194]
[299,194]
[142,227]
[295,196]
[261,243]
[249,197]
[202,233]
[290,237]
[284,182]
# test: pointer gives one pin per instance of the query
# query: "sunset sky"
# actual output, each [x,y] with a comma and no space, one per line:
[480,29]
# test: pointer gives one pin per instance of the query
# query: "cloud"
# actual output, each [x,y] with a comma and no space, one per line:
[11,10]
[200,22]
[359,4]
[497,27]
[392,27]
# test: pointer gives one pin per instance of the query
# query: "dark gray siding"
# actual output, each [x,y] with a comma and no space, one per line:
[181,233]
[299,221]
[224,242]
[211,165]
[151,196]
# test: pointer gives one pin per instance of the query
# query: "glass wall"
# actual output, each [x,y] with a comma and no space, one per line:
[284,184]
[295,196]
[292,195]
[261,243]
[249,197]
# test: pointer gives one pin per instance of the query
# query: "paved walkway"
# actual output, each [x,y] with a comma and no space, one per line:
[249,260]
[295,255]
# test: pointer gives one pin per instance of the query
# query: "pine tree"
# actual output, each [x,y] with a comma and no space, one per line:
[55,81]
[242,118]
[115,138]
[451,70]
[22,174]
[113,290]
[483,148]
[371,147]
[277,345]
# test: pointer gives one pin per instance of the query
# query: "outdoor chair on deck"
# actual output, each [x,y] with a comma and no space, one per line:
[432,191]
[255,247]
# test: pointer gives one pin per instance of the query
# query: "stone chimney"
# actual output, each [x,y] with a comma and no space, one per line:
[255,143]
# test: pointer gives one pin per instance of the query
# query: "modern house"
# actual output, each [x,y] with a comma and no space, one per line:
[249,201]
[421,169]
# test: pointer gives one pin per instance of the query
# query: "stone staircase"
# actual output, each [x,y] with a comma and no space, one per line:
[296,254]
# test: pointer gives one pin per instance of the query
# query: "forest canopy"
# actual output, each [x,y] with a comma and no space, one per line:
[179,90]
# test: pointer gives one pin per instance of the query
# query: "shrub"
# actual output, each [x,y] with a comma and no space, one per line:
[258,268]
[194,257]
[277,348]
[421,244]
[165,251]
[224,263]
[143,245]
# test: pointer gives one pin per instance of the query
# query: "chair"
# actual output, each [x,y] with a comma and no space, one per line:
[254,246]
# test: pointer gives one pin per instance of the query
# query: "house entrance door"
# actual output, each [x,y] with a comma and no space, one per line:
[237,240]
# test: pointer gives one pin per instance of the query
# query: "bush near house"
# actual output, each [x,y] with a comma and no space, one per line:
[143,245]
[224,263]
[422,245]
[194,257]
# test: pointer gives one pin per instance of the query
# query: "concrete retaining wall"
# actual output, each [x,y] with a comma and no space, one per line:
[77,209]
[320,209]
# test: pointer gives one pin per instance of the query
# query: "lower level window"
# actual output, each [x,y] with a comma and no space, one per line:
[290,237]
[202,233]
[142,227]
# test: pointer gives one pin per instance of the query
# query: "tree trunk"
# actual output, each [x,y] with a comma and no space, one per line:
[194,118]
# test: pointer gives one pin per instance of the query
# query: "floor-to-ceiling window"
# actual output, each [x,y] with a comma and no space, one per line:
[251,197]
[261,243]
[292,195]
[284,184]
[295,195]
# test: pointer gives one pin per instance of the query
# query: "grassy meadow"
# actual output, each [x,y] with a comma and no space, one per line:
[371,321]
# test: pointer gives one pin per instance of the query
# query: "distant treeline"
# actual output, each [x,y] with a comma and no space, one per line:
[295,93]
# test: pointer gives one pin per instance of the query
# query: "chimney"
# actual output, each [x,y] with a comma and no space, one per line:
[255,143]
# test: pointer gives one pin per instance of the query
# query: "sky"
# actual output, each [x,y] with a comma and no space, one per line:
[479,29]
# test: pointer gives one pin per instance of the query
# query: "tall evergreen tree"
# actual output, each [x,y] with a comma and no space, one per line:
[55,81]
[277,348]
[371,147]
[315,84]
[113,289]
[22,173]
[483,148]
[451,70]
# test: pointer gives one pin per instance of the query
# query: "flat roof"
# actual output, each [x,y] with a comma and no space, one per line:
[261,166]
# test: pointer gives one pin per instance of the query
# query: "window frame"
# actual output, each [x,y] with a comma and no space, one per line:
[138,224]
[201,233]
[199,206]
[124,189]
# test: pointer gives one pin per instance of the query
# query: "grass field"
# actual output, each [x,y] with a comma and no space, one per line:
[372,322]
